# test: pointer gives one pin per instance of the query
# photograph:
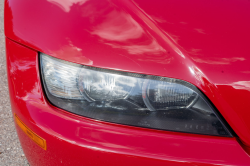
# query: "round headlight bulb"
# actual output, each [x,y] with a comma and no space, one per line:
[159,95]
[100,86]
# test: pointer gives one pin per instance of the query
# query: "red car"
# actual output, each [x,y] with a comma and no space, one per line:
[130,82]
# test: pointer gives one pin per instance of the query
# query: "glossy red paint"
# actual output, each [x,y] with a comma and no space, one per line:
[204,43]
[74,140]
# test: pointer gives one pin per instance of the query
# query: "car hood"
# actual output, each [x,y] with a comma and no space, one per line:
[203,42]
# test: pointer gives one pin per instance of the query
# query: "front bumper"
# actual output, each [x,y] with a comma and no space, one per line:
[75,140]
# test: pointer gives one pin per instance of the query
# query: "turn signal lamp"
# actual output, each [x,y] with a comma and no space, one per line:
[37,139]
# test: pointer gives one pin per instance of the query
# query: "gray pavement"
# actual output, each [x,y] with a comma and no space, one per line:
[11,152]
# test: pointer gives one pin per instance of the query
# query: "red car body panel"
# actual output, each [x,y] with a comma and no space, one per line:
[75,140]
[204,43]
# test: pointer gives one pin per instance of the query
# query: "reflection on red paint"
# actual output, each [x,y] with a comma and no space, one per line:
[118,26]
[153,48]
[244,85]
[74,52]
[65,5]
[218,61]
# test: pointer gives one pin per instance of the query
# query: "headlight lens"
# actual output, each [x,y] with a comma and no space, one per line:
[128,98]
[100,86]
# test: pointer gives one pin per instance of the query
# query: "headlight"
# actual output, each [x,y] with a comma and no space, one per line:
[128,98]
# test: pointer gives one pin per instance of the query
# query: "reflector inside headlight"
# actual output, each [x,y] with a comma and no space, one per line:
[128,98]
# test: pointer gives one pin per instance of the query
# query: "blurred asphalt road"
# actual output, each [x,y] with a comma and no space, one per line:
[11,152]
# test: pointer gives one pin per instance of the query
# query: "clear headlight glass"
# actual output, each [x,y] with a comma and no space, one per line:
[129,98]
